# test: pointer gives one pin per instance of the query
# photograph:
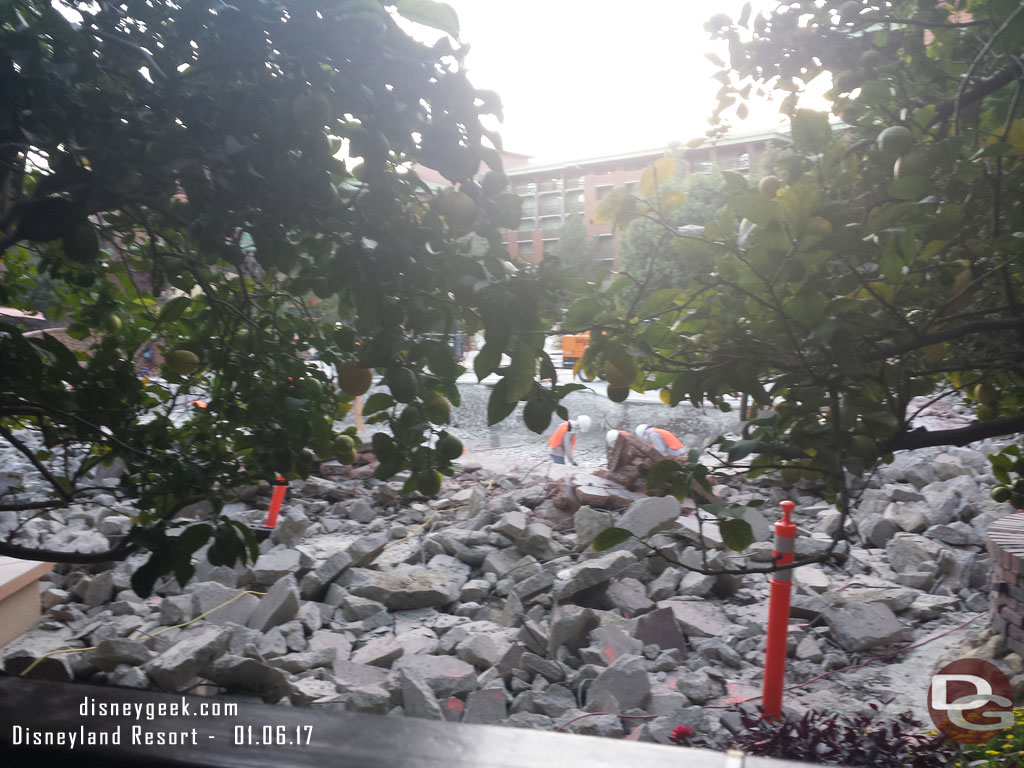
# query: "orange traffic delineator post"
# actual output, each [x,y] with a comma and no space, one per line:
[276,499]
[778,614]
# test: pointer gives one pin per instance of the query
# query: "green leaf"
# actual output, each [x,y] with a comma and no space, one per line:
[378,401]
[173,309]
[487,360]
[811,131]
[441,359]
[735,183]
[582,313]
[660,474]
[756,207]
[498,405]
[431,14]
[610,537]
[521,372]
[737,534]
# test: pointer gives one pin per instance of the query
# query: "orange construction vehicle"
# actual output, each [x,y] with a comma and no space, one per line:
[573,346]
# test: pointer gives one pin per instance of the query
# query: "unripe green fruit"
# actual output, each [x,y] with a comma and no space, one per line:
[895,140]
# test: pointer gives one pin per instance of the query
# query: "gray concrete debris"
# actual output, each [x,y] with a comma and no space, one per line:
[876,530]
[661,628]
[275,565]
[379,652]
[909,517]
[244,675]
[486,706]
[554,701]
[446,676]
[365,549]
[907,551]
[114,651]
[314,584]
[512,524]
[350,674]
[482,650]
[629,596]
[626,679]
[223,605]
[588,523]
[696,686]
[649,515]
[608,644]
[609,726]
[698,618]
[371,699]
[176,668]
[570,626]
[589,573]
[860,626]
[291,527]
[304,660]
[361,511]
[278,605]
[404,587]
[325,638]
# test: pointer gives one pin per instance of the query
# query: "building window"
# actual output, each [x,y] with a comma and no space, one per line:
[550,185]
[529,206]
[603,190]
[550,204]
[743,162]
[551,222]
[574,182]
[574,202]
[525,188]
[525,247]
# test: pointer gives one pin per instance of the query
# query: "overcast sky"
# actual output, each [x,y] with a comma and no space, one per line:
[583,78]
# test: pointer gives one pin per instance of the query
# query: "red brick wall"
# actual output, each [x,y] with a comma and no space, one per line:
[1006,547]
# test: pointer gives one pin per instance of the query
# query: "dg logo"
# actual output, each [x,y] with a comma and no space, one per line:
[970,701]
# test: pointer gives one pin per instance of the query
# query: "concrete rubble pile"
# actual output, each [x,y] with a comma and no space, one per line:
[469,607]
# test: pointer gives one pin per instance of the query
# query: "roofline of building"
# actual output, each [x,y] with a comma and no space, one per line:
[656,152]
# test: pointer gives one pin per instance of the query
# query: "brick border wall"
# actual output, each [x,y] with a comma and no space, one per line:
[1006,602]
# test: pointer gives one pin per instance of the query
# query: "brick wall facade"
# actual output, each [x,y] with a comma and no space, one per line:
[1006,546]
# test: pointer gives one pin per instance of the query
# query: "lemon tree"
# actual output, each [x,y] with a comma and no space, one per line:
[176,173]
[882,269]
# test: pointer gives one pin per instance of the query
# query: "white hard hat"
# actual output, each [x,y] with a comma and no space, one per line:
[611,436]
[641,429]
[583,422]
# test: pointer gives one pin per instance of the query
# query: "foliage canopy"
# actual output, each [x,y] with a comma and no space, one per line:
[881,275]
[195,148]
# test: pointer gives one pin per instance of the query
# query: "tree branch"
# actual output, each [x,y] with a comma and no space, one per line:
[940,336]
[120,552]
[40,467]
[984,88]
[924,438]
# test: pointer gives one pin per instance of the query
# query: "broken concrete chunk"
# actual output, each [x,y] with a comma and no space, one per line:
[589,573]
[446,676]
[176,668]
[242,675]
[278,605]
[626,679]
[860,626]
[405,587]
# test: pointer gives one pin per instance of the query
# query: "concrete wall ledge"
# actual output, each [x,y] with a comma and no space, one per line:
[19,596]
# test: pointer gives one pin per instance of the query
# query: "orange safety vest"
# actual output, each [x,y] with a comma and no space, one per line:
[555,441]
[673,442]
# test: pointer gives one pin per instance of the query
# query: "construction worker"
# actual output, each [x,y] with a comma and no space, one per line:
[563,441]
[661,440]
